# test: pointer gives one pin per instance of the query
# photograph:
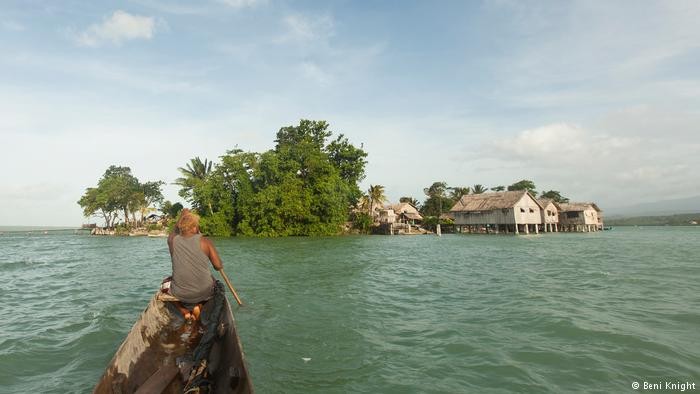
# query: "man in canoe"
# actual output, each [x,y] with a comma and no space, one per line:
[191,253]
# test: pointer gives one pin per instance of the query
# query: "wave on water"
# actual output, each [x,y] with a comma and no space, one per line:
[562,313]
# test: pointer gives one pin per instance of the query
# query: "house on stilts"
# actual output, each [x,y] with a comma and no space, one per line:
[502,212]
[550,215]
[580,217]
[401,218]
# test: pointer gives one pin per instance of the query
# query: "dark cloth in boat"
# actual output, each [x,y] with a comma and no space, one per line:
[192,280]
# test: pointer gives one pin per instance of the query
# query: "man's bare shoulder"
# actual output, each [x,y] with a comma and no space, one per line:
[205,242]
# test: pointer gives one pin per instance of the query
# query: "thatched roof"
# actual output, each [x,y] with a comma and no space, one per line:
[546,201]
[578,206]
[490,201]
[406,209]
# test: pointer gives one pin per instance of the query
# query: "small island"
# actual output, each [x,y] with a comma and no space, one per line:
[308,185]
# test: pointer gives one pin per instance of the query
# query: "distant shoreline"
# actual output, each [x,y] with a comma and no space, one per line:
[684,219]
[12,229]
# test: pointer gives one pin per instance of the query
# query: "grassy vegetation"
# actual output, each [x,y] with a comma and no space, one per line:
[670,220]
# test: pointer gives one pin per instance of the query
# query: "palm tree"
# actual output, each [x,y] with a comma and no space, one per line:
[435,193]
[498,189]
[196,171]
[375,194]
[478,189]
[458,192]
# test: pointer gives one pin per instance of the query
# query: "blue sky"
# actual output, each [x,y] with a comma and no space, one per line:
[600,100]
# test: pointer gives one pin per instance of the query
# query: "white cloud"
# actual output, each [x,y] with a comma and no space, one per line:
[302,28]
[619,162]
[119,27]
[600,54]
[560,140]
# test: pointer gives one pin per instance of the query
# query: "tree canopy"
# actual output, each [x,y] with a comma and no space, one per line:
[437,201]
[304,186]
[524,185]
[119,192]
[555,195]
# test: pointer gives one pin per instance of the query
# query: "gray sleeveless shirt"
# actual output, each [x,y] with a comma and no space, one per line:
[192,279]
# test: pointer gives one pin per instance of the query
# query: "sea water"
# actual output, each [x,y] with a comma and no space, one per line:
[589,312]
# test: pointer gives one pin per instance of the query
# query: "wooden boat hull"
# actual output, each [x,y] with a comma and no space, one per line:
[153,356]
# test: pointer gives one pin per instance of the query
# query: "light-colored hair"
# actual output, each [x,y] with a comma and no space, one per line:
[188,221]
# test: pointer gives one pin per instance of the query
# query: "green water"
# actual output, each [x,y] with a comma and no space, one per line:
[461,313]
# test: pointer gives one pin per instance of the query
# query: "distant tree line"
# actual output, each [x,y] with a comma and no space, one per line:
[306,185]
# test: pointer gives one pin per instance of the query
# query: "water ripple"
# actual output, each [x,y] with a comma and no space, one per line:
[555,313]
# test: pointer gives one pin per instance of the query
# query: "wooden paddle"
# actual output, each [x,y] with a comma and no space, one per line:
[228,283]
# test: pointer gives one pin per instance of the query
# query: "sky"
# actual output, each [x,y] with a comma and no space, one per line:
[599,100]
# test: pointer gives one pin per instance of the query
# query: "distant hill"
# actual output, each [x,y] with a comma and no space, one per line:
[684,219]
[657,208]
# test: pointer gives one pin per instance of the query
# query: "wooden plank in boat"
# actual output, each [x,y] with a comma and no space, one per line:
[159,380]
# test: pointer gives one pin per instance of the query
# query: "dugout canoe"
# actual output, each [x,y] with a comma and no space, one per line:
[156,356]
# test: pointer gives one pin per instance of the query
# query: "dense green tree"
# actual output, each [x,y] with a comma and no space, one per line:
[147,197]
[436,189]
[437,201]
[524,185]
[301,187]
[121,189]
[350,161]
[94,202]
[118,191]
[498,188]
[362,222]
[555,195]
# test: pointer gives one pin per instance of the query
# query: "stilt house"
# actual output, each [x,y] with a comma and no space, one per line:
[510,212]
[400,213]
[580,217]
[550,215]
[406,213]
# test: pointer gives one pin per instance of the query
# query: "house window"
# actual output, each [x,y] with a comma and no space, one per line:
[572,215]
[522,210]
[532,210]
